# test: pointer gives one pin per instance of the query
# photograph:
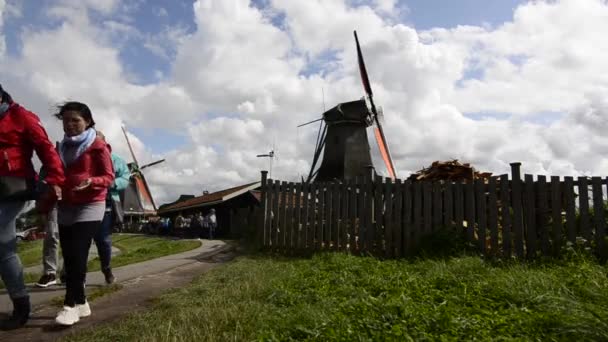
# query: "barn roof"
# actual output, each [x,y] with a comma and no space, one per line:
[210,199]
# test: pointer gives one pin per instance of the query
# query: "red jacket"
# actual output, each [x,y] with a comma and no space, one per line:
[21,133]
[94,163]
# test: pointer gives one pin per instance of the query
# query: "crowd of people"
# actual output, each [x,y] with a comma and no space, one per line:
[190,226]
[76,195]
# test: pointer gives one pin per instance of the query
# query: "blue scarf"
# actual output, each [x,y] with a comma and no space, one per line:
[4,109]
[71,148]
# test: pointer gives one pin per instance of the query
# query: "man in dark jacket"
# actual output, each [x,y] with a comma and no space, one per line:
[21,133]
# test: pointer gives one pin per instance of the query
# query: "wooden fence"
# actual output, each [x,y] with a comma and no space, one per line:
[501,216]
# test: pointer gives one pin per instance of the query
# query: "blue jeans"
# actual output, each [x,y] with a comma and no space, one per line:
[10,265]
[103,241]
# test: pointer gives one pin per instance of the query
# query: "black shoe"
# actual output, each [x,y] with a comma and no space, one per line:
[47,280]
[21,313]
[109,276]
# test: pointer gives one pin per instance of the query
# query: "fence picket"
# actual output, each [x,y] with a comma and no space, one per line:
[312,216]
[407,218]
[417,226]
[289,218]
[275,214]
[542,215]
[304,221]
[570,208]
[516,202]
[427,209]
[599,216]
[448,205]
[556,214]
[388,219]
[376,241]
[583,209]
[397,221]
[297,219]
[469,189]
[354,209]
[437,206]
[334,240]
[530,215]
[482,219]
[493,215]
[505,215]
[459,206]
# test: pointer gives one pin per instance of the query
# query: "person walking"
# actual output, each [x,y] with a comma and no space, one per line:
[113,213]
[50,251]
[211,223]
[21,133]
[89,174]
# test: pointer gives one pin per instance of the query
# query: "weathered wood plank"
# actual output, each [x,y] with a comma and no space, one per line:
[305,220]
[505,215]
[482,218]
[556,214]
[599,216]
[388,218]
[427,207]
[469,195]
[437,206]
[407,217]
[417,226]
[542,215]
[583,208]
[459,205]
[378,235]
[368,213]
[355,210]
[282,217]
[448,204]
[289,218]
[398,219]
[297,219]
[570,208]
[276,214]
[493,215]
[516,202]
[530,216]
[334,241]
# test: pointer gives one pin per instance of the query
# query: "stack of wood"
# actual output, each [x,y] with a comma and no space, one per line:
[449,170]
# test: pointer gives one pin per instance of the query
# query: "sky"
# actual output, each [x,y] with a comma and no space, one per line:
[210,84]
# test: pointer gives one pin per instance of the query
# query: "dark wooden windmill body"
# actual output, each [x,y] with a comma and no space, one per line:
[343,139]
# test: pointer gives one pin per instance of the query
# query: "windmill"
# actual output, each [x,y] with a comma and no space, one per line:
[137,198]
[342,137]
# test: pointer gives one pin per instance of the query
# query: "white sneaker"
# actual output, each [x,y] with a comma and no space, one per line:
[84,310]
[67,316]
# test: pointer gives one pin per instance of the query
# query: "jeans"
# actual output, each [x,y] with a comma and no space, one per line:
[103,241]
[10,265]
[51,244]
[75,243]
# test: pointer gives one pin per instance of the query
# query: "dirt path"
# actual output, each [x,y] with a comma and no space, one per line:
[134,295]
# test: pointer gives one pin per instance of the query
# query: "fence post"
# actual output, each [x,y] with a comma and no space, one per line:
[516,202]
[261,233]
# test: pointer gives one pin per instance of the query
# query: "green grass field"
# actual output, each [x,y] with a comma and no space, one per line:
[336,297]
[133,248]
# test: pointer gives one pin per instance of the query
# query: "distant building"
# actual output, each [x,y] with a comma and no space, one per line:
[225,202]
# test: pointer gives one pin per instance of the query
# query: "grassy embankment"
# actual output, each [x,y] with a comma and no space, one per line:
[336,297]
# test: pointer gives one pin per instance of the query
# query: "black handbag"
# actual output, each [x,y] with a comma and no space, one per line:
[17,189]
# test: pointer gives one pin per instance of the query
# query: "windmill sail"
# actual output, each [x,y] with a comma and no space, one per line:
[137,199]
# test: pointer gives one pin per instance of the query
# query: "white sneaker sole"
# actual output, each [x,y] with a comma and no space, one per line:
[50,283]
[66,323]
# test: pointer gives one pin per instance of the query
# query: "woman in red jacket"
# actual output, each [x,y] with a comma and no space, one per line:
[21,133]
[88,171]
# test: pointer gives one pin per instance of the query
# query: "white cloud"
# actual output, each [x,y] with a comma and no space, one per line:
[244,78]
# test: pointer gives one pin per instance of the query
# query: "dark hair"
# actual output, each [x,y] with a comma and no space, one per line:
[4,96]
[74,106]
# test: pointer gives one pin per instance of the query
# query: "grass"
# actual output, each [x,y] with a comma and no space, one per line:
[91,295]
[336,297]
[139,248]
[133,248]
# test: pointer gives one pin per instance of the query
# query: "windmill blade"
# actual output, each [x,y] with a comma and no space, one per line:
[378,131]
[129,144]
[384,151]
[152,164]
[362,70]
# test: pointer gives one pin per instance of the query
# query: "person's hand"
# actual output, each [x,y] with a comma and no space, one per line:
[56,190]
[85,184]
